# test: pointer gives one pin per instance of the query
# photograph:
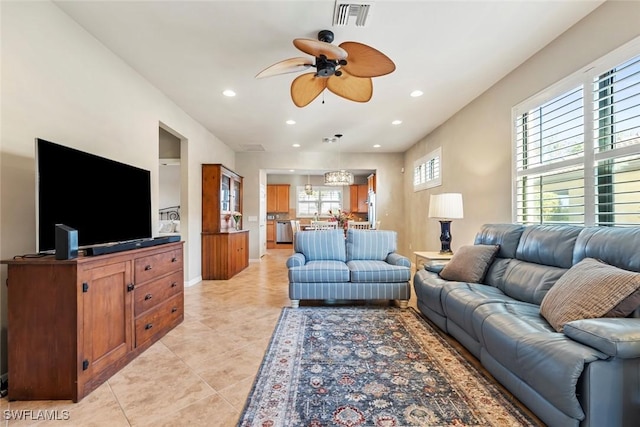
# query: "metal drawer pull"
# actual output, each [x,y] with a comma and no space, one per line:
[148,326]
[174,284]
[174,309]
[148,296]
[174,259]
[148,267]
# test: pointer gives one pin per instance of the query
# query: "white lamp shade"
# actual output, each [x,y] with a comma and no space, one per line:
[446,206]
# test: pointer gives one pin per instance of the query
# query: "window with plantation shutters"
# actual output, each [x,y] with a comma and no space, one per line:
[426,171]
[577,150]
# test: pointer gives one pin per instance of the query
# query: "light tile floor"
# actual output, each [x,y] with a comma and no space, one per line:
[200,373]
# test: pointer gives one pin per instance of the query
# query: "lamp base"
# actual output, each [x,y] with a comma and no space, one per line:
[445,237]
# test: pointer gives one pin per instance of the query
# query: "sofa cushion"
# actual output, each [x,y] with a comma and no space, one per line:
[506,236]
[319,271]
[370,244]
[548,244]
[617,246]
[469,263]
[527,281]
[320,245]
[516,336]
[589,289]
[377,271]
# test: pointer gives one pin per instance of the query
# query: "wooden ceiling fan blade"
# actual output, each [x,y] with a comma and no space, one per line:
[358,89]
[365,61]
[306,88]
[317,48]
[291,65]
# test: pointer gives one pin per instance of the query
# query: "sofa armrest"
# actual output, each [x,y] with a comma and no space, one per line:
[397,259]
[616,337]
[437,268]
[296,260]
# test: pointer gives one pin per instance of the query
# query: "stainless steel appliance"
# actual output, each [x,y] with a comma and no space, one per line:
[284,233]
[371,213]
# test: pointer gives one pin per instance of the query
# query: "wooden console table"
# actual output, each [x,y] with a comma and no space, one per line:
[73,324]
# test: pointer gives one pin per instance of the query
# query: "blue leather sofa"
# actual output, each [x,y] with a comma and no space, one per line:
[363,265]
[588,375]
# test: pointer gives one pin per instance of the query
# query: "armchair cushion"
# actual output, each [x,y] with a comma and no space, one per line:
[367,245]
[321,245]
[320,271]
[377,271]
[589,289]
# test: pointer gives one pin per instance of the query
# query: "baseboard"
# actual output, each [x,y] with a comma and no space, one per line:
[192,281]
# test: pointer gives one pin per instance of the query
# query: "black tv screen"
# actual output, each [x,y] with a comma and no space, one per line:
[105,200]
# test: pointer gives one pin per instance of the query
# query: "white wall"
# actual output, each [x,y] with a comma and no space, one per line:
[60,84]
[476,142]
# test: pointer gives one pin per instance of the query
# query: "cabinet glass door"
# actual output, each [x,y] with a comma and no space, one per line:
[236,196]
[225,194]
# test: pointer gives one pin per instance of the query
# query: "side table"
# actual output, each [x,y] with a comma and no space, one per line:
[431,258]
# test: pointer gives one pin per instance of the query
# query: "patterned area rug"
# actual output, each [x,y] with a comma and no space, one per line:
[367,366]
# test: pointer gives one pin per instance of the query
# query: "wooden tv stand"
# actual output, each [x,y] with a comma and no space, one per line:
[73,324]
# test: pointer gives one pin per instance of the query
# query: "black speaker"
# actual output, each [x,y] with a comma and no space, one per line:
[66,242]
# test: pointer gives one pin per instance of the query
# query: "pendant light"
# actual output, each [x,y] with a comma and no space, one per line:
[307,188]
[339,177]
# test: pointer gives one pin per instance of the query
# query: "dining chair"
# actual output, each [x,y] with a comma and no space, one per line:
[359,225]
[324,225]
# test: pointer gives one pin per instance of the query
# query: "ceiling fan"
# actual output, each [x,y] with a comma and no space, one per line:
[345,70]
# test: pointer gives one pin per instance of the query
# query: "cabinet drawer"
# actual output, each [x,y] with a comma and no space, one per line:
[157,265]
[158,320]
[151,294]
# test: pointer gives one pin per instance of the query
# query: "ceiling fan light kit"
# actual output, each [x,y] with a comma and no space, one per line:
[346,70]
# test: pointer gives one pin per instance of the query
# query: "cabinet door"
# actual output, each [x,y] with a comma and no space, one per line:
[353,198]
[271,231]
[272,198]
[107,316]
[363,196]
[236,195]
[225,193]
[283,198]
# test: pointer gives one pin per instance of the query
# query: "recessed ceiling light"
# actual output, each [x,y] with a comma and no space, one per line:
[417,93]
[296,145]
[396,122]
[376,146]
[292,170]
[291,122]
[229,93]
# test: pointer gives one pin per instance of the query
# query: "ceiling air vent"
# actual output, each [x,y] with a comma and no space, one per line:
[355,12]
[253,147]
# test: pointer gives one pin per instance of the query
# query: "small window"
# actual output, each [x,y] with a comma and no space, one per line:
[426,171]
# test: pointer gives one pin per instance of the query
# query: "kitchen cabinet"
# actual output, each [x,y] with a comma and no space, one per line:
[371,183]
[271,234]
[72,324]
[358,197]
[278,198]
[225,248]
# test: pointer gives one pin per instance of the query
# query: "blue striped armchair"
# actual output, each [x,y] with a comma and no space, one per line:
[362,266]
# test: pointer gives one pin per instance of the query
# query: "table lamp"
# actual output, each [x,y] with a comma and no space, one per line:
[445,207]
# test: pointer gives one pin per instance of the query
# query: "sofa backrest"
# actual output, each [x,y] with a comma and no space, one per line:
[370,244]
[321,245]
[617,246]
[543,255]
[507,237]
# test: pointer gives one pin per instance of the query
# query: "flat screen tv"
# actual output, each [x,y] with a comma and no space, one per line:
[105,200]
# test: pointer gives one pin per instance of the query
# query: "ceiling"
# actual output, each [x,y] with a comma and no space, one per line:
[450,50]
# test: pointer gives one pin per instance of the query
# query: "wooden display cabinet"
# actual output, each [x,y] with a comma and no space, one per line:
[225,248]
[73,324]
